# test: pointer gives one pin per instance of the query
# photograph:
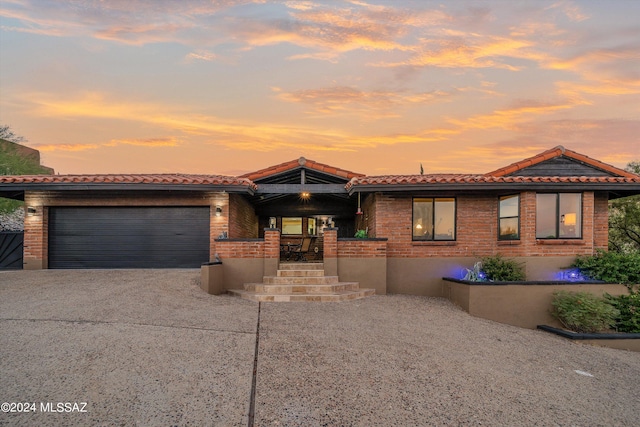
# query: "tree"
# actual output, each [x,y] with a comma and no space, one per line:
[7,134]
[624,220]
[12,162]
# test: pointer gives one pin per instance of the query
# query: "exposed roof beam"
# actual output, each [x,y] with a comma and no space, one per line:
[299,188]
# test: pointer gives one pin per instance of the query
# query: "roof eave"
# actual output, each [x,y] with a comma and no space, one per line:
[228,188]
[632,188]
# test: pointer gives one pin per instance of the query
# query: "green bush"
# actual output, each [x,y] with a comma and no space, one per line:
[499,269]
[611,267]
[361,234]
[583,312]
[629,307]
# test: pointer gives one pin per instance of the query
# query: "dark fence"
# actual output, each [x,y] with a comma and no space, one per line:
[11,250]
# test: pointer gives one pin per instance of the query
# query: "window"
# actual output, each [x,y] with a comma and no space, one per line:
[559,216]
[509,218]
[434,219]
[311,227]
[292,225]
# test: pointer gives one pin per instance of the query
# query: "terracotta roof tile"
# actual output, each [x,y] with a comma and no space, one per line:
[436,179]
[298,163]
[181,179]
[557,152]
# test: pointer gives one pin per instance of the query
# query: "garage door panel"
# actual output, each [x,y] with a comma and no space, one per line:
[128,237]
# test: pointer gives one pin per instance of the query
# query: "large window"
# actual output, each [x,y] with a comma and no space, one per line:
[509,218]
[434,219]
[292,225]
[559,216]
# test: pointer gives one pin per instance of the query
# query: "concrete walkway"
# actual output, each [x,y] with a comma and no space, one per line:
[149,348]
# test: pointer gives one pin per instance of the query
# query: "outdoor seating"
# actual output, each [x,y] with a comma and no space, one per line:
[299,251]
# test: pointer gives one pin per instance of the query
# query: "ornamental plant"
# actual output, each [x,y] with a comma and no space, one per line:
[611,267]
[499,269]
[629,307]
[361,234]
[583,311]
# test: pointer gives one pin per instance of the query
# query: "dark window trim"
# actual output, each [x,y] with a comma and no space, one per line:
[455,219]
[518,216]
[557,217]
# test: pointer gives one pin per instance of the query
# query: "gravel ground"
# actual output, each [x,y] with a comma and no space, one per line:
[148,347]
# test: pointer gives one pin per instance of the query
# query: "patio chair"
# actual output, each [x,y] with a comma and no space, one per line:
[301,250]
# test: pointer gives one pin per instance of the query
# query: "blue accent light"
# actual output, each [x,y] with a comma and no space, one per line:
[571,275]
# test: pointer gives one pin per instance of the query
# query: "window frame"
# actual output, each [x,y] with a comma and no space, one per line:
[292,218]
[558,217]
[500,217]
[433,219]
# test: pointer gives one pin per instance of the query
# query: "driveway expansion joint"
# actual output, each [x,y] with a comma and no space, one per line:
[96,322]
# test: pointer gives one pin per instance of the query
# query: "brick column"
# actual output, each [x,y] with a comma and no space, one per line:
[271,251]
[35,235]
[331,251]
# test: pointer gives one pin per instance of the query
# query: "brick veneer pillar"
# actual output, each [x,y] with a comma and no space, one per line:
[271,251]
[331,251]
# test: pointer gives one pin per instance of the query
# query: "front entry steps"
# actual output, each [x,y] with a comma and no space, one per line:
[298,281]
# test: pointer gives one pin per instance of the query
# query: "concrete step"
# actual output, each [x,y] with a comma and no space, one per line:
[301,266]
[300,273]
[301,289]
[300,280]
[334,297]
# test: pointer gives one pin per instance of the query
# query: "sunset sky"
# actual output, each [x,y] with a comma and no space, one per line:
[376,87]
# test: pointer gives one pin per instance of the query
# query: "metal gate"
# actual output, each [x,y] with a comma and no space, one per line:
[11,248]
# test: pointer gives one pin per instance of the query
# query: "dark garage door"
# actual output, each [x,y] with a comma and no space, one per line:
[128,237]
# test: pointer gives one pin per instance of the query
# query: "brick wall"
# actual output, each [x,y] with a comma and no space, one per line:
[250,248]
[362,248]
[36,226]
[477,229]
[243,222]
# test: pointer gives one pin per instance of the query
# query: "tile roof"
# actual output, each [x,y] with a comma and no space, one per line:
[298,163]
[434,179]
[162,179]
[557,152]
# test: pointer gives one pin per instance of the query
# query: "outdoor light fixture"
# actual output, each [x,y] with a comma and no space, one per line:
[305,195]
[272,222]
[31,210]
[218,210]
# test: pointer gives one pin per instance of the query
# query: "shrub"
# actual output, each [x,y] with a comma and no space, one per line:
[500,269]
[611,267]
[361,234]
[583,312]
[629,307]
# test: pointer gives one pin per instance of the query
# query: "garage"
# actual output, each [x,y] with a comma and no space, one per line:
[128,237]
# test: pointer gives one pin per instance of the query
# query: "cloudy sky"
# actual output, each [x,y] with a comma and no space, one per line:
[377,87]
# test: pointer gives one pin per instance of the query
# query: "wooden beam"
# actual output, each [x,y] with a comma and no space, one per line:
[299,188]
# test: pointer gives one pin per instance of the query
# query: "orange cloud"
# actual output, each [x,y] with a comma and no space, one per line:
[509,117]
[201,55]
[65,147]
[146,142]
[469,51]
[349,100]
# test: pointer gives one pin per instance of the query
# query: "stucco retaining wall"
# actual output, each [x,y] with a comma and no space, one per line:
[523,305]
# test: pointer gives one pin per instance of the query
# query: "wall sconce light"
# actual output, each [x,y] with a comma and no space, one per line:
[272,222]
[31,210]
[218,210]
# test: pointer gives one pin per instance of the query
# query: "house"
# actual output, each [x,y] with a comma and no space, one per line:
[543,210]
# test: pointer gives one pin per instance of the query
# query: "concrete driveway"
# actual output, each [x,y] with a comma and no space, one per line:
[149,348]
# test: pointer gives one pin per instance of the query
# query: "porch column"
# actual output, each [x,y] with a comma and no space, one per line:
[331,251]
[271,251]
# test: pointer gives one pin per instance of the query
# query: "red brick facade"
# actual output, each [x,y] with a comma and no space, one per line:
[477,228]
